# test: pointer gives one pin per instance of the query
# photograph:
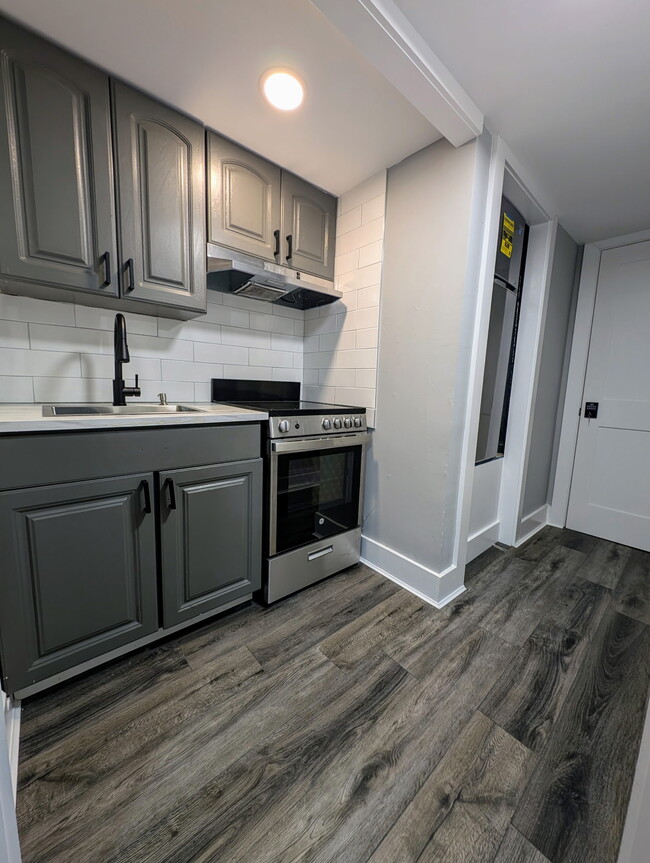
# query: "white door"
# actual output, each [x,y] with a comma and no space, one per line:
[610,490]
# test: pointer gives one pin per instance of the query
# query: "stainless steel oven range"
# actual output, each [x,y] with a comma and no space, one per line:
[314,476]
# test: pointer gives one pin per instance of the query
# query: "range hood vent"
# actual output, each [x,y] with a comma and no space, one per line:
[237,273]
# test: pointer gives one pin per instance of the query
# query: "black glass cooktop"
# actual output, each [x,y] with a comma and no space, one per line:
[277,398]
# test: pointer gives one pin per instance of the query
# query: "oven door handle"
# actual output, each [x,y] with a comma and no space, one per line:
[313,444]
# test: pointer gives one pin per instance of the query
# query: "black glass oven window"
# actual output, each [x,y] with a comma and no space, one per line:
[317,495]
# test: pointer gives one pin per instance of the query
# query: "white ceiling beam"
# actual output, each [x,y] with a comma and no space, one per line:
[385,36]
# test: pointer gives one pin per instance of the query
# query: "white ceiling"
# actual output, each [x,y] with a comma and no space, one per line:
[567,85]
[207,56]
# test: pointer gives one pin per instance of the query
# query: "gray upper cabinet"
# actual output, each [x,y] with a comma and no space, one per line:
[257,208]
[309,226]
[245,207]
[79,574]
[160,161]
[57,226]
[210,537]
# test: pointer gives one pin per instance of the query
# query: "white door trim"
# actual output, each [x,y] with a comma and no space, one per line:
[577,370]
[539,259]
[9,847]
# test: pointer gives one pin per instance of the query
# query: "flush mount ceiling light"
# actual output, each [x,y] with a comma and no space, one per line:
[283,89]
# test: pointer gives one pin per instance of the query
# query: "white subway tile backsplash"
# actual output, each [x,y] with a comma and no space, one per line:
[172,370]
[368,338]
[371,254]
[310,377]
[319,394]
[346,263]
[203,390]
[366,378]
[311,344]
[249,373]
[14,335]
[191,331]
[373,209]
[229,317]
[361,278]
[59,352]
[369,232]
[245,338]
[358,359]
[16,389]
[361,319]
[102,366]
[31,362]
[35,311]
[104,319]
[269,323]
[341,341]
[258,357]
[366,191]
[231,354]
[361,397]
[368,297]
[348,221]
[336,377]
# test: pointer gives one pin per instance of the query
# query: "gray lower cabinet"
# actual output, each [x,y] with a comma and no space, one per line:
[308,226]
[210,537]
[57,224]
[79,574]
[160,165]
[244,211]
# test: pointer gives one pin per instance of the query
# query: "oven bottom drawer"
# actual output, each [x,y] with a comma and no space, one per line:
[296,569]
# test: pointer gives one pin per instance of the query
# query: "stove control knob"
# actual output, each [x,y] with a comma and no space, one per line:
[337,423]
[327,424]
[347,422]
[358,422]
[284,426]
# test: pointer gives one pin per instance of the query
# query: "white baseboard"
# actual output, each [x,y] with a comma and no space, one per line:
[436,588]
[482,540]
[531,524]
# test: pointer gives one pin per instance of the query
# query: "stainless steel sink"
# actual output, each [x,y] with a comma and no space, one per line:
[110,410]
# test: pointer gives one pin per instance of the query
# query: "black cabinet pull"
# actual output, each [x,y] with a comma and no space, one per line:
[107,270]
[147,496]
[171,493]
[276,253]
[131,270]
[289,246]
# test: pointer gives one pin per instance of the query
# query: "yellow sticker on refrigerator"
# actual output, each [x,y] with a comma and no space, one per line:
[507,234]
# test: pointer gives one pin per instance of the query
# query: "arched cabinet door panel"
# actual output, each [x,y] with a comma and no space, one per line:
[160,157]
[244,211]
[57,226]
[309,227]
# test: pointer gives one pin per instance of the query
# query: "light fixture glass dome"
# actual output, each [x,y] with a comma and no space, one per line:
[283,89]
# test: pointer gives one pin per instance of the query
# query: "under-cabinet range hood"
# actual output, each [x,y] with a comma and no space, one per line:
[236,273]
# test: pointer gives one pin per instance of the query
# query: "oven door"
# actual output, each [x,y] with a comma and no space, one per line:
[315,489]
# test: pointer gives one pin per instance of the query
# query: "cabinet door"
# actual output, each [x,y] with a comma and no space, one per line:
[210,537]
[57,224]
[160,156]
[309,226]
[79,574]
[244,210]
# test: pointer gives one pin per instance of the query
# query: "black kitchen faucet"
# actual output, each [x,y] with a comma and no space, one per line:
[122,356]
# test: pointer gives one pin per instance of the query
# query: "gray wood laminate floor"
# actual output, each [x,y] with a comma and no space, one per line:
[355,723]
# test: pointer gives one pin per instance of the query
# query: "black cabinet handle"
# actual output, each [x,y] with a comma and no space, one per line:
[147,496]
[276,253]
[171,493]
[107,270]
[289,246]
[131,271]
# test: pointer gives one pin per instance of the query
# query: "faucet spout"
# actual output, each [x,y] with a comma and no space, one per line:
[121,350]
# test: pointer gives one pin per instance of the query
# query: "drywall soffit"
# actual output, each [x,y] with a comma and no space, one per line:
[385,36]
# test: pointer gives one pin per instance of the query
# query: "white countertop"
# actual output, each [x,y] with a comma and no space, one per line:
[29,418]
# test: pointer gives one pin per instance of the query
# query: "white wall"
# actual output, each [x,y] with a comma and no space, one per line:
[543,445]
[484,511]
[413,468]
[341,339]
[59,352]
[9,851]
